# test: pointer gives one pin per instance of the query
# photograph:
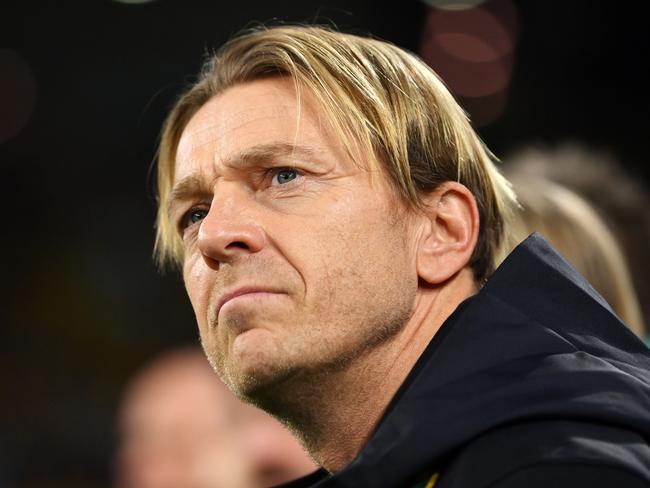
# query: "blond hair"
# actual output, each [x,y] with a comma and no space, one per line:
[581,236]
[378,98]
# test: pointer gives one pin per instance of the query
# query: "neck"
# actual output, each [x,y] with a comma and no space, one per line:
[335,411]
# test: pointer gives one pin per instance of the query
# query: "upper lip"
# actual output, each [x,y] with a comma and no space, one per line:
[242,290]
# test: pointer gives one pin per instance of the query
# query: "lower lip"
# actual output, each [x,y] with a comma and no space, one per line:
[239,299]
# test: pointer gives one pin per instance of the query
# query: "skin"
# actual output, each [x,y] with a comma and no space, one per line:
[344,286]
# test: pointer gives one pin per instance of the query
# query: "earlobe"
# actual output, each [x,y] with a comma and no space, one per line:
[449,233]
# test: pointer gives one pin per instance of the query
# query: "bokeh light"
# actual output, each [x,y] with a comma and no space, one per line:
[472,50]
[453,4]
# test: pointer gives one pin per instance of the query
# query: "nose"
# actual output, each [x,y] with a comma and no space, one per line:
[231,229]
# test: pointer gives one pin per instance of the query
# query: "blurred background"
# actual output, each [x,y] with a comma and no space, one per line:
[84,87]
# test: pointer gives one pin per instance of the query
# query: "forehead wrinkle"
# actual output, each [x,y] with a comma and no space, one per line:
[261,153]
[202,130]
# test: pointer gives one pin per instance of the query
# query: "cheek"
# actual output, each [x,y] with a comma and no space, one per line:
[198,291]
[355,249]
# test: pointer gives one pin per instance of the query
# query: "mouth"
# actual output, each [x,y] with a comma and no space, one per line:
[243,292]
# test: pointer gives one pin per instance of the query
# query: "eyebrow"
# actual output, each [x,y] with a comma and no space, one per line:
[268,152]
[194,185]
[183,190]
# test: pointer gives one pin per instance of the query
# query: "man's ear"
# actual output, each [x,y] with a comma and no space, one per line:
[450,231]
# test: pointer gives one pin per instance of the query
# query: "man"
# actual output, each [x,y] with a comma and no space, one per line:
[337,221]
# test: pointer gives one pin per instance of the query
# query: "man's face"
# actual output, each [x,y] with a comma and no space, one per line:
[296,258]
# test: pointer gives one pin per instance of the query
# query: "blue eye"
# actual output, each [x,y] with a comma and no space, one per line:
[284,176]
[193,216]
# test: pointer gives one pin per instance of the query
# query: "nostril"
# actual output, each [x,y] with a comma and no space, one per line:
[237,245]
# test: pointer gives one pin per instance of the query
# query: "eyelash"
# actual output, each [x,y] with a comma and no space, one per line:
[184,222]
[273,172]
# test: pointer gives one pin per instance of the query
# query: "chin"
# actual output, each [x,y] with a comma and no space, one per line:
[256,373]
[260,384]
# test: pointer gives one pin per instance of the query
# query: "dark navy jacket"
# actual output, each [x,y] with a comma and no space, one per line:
[532,382]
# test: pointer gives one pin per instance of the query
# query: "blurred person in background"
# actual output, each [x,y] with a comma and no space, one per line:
[180,427]
[575,229]
[621,202]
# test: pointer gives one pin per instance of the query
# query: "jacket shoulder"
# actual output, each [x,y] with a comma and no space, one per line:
[571,476]
[550,453]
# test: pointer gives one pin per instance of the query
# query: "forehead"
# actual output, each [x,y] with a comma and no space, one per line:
[250,114]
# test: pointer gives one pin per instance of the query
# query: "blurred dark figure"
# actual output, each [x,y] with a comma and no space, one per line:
[180,427]
[587,230]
